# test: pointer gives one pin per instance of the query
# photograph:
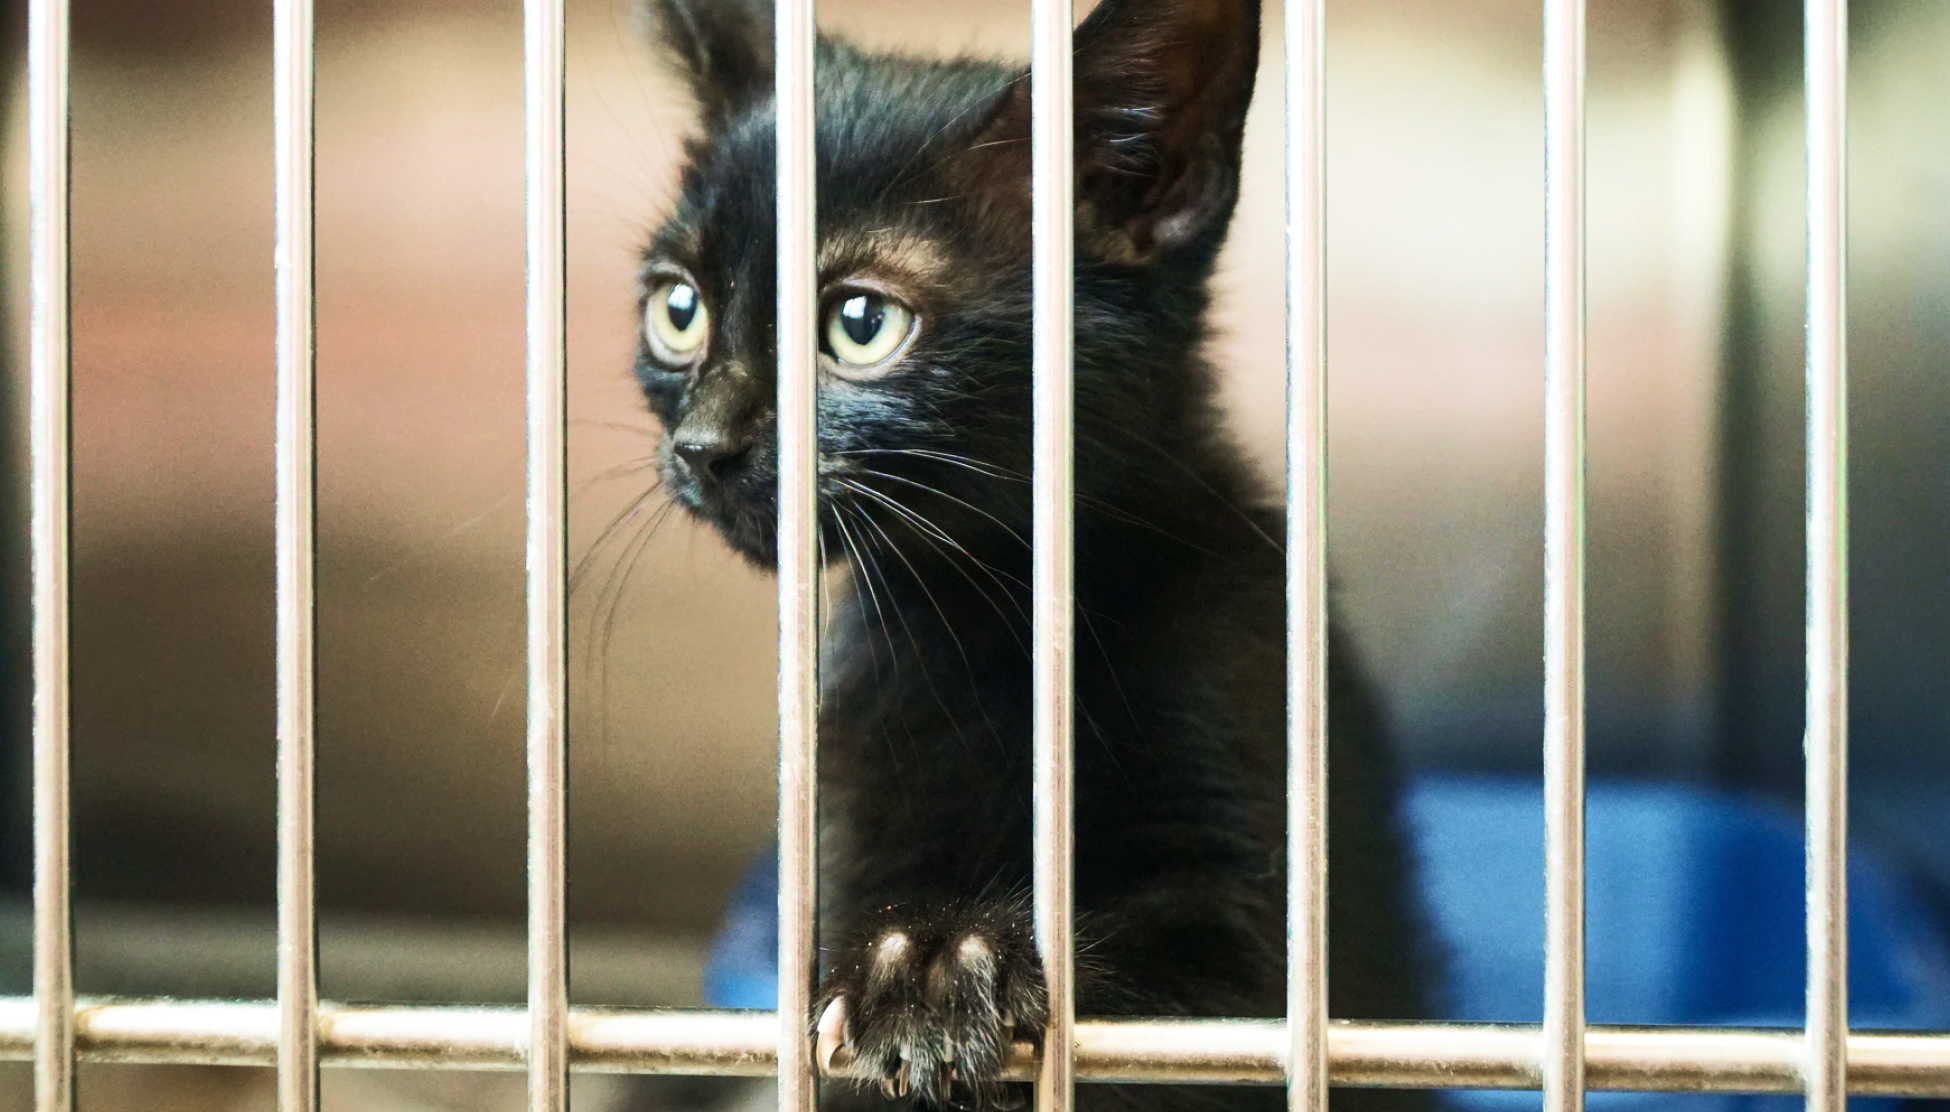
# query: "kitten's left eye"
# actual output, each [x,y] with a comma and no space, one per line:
[863,329]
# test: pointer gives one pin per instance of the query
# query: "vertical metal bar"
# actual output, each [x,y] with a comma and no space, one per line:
[1052,142]
[47,147]
[297,441]
[798,553]
[548,682]
[1306,554]
[1827,635]
[1564,455]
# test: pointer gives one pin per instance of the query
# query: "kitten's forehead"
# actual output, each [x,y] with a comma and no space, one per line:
[885,127]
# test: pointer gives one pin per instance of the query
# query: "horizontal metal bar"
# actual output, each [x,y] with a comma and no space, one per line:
[1143,1051]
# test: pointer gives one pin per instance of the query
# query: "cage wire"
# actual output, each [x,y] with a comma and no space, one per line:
[1564,1057]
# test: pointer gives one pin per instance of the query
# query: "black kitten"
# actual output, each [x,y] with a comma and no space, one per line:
[924,437]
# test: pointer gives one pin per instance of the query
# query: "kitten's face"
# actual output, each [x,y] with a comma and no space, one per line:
[924,321]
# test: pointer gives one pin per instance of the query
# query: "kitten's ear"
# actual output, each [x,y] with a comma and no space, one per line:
[1161,91]
[724,48]
[1162,88]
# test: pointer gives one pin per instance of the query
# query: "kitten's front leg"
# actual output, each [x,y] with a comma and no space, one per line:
[929,1000]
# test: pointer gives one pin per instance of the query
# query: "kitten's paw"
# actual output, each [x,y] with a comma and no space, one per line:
[931,1008]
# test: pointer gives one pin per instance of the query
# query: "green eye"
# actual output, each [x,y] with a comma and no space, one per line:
[863,329]
[675,320]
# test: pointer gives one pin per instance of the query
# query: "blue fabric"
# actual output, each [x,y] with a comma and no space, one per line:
[741,970]
[1693,912]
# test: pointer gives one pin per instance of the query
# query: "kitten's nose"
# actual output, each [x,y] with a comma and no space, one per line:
[710,454]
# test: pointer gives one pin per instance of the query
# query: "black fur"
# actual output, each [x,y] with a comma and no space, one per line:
[925,722]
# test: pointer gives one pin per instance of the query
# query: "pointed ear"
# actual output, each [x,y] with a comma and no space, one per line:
[723,47]
[1162,88]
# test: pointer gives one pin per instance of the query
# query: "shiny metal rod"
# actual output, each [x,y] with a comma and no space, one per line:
[1306,553]
[1827,634]
[548,671]
[49,397]
[1136,1051]
[1564,503]
[1053,170]
[297,551]
[798,385]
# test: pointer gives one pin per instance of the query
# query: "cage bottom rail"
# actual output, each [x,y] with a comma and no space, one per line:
[1156,1051]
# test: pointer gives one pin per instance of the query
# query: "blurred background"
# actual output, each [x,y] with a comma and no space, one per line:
[1436,180]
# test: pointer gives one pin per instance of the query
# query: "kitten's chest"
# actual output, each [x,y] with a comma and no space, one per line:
[924,660]
[921,723]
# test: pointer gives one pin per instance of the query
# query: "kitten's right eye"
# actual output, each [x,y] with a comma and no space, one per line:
[676,321]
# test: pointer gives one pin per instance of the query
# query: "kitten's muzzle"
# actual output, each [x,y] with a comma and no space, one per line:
[711,457]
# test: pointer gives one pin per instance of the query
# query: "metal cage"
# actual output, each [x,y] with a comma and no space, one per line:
[1563,1057]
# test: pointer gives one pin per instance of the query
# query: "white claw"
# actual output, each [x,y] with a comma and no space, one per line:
[833,1034]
